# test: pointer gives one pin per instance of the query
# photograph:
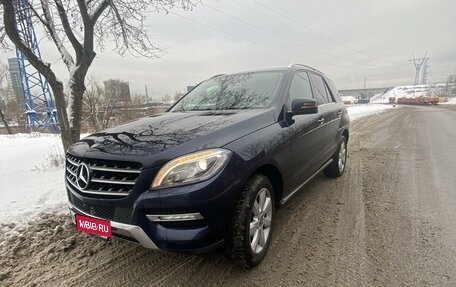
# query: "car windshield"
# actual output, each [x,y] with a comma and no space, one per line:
[254,90]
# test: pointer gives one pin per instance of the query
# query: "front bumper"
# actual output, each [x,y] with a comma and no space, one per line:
[122,230]
[191,219]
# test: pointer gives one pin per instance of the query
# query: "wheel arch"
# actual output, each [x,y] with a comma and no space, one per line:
[275,176]
[345,134]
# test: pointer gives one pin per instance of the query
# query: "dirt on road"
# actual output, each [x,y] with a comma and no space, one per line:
[389,221]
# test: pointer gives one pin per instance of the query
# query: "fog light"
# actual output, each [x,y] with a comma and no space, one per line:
[174,217]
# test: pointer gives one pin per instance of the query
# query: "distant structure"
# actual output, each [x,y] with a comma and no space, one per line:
[426,71]
[15,76]
[121,88]
[418,63]
[36,94]
[361,96]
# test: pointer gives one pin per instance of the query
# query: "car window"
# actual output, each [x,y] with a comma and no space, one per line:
[300,86]
[252,90]
[333,89]
[319,89]
[328,92]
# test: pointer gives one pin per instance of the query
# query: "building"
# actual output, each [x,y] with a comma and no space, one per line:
[16,81]
[121,88]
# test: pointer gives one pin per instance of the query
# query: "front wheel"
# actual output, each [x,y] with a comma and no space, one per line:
[251,228]
[337,167]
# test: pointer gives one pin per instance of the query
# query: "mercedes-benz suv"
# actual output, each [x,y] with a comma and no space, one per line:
[212,169]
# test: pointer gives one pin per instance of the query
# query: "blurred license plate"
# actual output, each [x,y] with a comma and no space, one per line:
[94,226]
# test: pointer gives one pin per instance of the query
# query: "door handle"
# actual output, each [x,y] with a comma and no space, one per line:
[321,121]
[339,114]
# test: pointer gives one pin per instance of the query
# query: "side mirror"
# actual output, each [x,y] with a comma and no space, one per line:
[303,106]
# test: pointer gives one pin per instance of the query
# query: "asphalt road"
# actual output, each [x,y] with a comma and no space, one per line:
[389,221]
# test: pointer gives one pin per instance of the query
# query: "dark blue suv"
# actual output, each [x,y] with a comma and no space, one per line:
[212,170]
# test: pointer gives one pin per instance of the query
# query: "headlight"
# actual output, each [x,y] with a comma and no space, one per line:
[191,168]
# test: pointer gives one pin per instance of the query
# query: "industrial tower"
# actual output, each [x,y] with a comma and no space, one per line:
[39,105]
[418,63]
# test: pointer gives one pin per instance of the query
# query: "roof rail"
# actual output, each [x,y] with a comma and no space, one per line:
[217,76]
[301,65]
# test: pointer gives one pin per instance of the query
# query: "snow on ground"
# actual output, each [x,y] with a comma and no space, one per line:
[450,102]
[31,176]
[401,92]
[32,172]
[359,111]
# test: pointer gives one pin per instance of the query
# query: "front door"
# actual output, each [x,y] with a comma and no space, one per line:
[305,134]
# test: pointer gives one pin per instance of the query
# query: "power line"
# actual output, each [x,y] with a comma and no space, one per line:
[322,35]
[254,42]
[282,38]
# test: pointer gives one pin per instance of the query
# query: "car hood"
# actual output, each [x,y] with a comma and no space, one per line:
[155,139]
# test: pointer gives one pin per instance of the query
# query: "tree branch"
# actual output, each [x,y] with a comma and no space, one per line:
[84,14]
[99,10]
[67,28]
[121,23]
[66,56]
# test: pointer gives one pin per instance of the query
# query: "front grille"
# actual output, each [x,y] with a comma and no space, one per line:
[106,178]
[118,214]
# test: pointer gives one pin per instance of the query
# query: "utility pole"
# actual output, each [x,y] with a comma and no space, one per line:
[365,79]
[147,95]
[418,63]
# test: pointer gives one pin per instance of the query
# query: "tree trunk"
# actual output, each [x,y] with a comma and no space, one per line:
[60,104]
[77,89]
[2,116]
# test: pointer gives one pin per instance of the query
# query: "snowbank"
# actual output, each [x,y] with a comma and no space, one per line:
[450,102]
[401,92]
[31,176]
[359,111]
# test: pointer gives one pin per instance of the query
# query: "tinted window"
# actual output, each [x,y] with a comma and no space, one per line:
[319,90]
[330,97]
[300,86]
[333,89]
[240,91]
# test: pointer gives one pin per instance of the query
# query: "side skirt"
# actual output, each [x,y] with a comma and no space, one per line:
[285,199]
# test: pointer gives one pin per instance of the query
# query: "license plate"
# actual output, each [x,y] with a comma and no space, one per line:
[93,226]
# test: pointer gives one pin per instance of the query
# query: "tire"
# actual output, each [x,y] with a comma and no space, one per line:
[337,167]
[249,213]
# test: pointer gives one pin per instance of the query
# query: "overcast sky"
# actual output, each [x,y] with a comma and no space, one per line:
[347,40]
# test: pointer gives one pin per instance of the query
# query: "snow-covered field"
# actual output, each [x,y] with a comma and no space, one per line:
[31,176]
[32,172]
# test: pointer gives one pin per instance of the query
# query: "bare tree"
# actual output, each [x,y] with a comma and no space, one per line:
[111,102]
[166,99]
[80,24]
[178,95]
[93,103]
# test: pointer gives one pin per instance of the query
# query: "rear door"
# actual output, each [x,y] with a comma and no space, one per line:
[329,117]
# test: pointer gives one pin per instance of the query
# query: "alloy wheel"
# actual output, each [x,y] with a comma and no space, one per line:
[260,224]
[342,156]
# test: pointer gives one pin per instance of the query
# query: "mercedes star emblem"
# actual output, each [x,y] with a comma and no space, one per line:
[83,176]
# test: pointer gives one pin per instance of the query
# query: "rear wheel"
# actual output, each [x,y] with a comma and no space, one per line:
[251,227]
[337,167]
